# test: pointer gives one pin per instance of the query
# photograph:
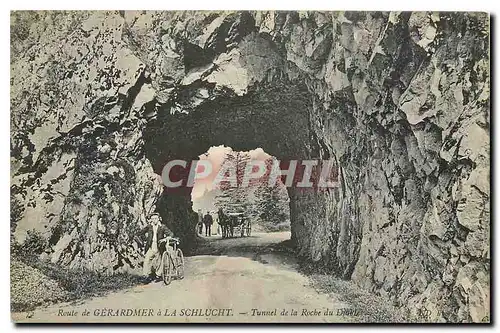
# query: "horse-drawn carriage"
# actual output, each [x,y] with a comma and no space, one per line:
[234,224]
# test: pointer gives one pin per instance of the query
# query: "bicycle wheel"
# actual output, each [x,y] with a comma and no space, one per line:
[167,268]
[180,264]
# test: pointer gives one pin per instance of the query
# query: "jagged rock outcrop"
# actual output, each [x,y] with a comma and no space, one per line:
[78,94]
[102,100]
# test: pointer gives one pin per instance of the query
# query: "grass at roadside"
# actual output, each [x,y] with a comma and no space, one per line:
[35,283]
[364,307]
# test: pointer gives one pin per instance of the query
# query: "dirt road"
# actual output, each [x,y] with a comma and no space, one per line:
[230,280]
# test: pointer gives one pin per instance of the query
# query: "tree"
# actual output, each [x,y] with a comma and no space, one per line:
[272,201]
[233,197]
[263,204]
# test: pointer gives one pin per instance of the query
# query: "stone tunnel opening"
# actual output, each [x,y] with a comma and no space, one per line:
[274,117]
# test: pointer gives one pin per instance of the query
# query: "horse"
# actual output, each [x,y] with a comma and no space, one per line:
[223,222]
[227,224]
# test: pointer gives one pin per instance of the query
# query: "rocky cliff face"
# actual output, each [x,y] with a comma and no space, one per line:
[101,100]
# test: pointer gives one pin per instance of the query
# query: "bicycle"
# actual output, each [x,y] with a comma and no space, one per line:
[172,260]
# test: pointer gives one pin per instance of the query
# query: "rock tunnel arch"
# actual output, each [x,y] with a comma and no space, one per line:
[274,116]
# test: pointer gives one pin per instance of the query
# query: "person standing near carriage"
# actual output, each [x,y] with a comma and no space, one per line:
[155,231]
[200,222]
[208,221]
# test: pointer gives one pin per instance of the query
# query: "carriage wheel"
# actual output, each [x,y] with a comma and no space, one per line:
[167,268]
[180,264]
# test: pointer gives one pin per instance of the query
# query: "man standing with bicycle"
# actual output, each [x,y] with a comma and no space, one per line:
[154,232]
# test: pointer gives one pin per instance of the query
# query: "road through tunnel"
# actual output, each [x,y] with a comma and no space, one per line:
[274,117]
